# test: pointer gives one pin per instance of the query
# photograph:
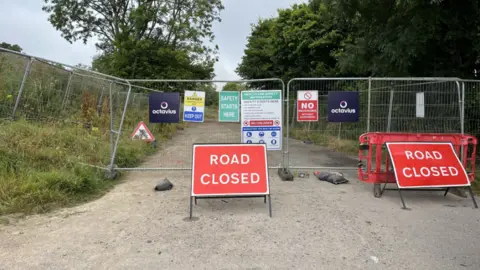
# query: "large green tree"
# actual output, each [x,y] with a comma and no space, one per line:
[411,38]
[302,41]
[133,35]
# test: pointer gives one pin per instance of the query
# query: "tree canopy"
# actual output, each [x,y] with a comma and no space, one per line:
[366,38]
[233,86]
[142,38]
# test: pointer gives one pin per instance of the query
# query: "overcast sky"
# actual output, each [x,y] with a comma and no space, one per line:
[24,23]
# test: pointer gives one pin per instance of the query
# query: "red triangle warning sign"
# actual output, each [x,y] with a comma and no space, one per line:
[142,133]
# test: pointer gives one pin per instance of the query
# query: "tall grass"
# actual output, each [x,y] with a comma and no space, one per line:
[44,151]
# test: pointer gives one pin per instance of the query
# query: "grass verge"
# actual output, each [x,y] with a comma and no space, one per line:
[40,163]
[345,146]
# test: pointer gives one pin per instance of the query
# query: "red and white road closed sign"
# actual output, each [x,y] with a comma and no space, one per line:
[421,165]
[307,106]
[229,170]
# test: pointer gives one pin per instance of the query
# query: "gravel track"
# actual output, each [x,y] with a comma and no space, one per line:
[315,225]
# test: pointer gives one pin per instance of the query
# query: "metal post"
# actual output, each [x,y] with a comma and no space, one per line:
[462,115]
[119,133]
[339,130]
[111,118]
[390,108]
[100,102]
[285,152]
[293,114]
[22,86]
[286,164]
[461,99]
[67,91]
[369,103]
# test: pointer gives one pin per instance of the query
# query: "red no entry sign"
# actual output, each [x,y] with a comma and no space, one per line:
[307,106]
[229,170]
[422,165]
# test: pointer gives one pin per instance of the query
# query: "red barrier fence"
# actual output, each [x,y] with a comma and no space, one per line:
[375,164]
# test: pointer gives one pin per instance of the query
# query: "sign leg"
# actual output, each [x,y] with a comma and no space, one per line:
[473,197]
[191,206]
[446,192]
[269,205]
[404,207]
[265,199]
[195,200]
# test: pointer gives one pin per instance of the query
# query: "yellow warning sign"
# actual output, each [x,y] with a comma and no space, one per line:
[192,99]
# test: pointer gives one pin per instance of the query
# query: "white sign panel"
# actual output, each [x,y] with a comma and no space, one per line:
[194,106]
[307,106]
[420,106]
[261,118]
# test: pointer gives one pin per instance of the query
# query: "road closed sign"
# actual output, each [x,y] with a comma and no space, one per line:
[422,165]
[229,170]
[307,106]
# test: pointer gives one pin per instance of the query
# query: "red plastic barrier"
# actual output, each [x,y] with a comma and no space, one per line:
[374,166]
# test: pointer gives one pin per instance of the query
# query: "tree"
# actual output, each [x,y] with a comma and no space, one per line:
[128,31]
[233,86]
[300,42]
[11,47]
[411,38]
[257,61]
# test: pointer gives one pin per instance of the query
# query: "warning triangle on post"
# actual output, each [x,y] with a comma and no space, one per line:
[142,133]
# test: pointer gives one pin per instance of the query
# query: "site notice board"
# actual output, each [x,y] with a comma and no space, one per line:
[261,118]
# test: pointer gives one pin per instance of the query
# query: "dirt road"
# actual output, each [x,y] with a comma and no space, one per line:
[315,225]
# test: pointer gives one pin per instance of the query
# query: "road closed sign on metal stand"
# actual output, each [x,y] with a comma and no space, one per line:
[229,171]
[423,165]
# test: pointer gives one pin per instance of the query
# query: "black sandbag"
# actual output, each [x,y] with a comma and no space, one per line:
[331,177]
[165,184]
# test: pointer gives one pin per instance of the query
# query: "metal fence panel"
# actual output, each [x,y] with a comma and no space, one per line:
[177,152]
[386,104]
[395,103]
[107,109]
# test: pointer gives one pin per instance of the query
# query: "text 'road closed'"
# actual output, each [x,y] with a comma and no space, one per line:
[426,165]
[229,169]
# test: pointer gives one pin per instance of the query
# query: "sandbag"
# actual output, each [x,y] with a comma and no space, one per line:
[165,184]
[331,177]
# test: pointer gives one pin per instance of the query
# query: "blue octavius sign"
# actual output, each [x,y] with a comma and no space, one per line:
[343,106]
[164,107]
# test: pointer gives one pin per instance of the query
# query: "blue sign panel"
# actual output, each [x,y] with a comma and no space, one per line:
[164,107]
[343,106]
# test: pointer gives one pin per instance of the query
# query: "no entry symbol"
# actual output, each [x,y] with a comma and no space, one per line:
[307,95]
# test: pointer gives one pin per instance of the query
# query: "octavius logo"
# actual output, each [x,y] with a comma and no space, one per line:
[164,109]
[343,108]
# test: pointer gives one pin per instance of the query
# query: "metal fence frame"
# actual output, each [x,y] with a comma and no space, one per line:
[457,81]
[285,100]
[112,167]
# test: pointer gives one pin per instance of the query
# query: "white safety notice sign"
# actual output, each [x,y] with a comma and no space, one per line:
[261,118]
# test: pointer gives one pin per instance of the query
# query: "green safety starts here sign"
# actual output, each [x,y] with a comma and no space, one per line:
[229,109]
